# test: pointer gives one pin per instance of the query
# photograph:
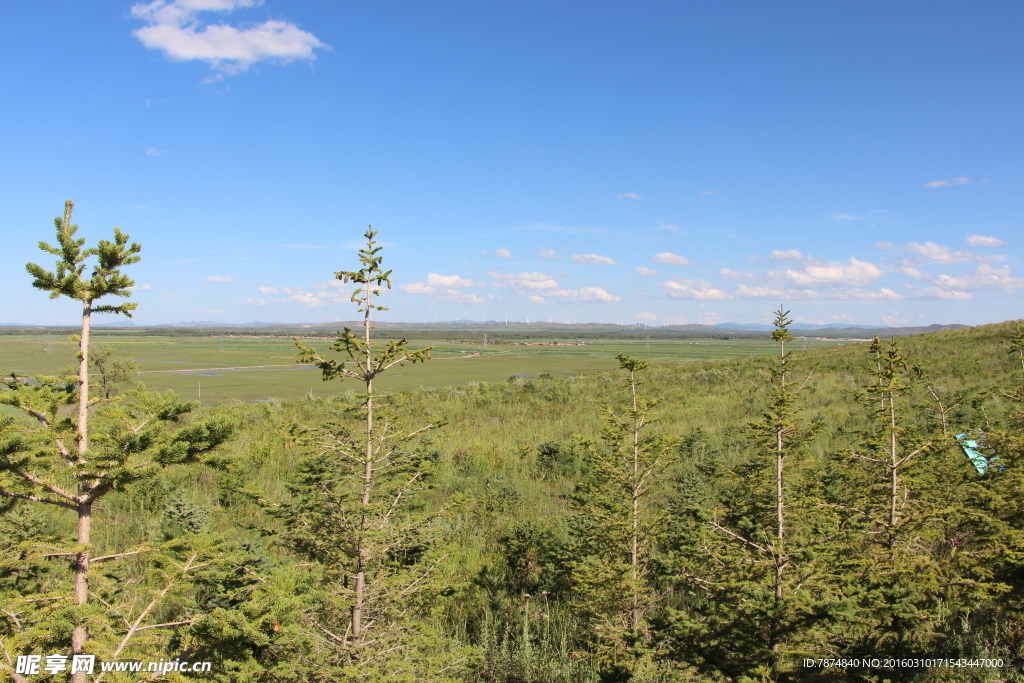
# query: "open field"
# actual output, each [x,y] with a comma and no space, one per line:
[225,368]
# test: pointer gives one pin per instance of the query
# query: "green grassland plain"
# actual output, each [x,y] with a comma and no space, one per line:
[252,368]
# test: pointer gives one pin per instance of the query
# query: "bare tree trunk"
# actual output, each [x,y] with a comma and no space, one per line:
[634,615]
[81,589]
[361,550]
[894,477]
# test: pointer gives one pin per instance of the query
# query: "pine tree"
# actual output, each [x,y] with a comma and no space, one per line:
[617,528]
[751,546]
[135,441]
[355,511]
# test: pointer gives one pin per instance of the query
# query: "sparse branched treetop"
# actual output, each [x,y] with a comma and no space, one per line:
[360,359]
[69,277]
[782,322]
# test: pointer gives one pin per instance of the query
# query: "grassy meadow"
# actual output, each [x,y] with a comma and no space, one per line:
[509,474]
[226,368]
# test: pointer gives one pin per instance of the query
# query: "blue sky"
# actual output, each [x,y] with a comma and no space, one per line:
[656,162]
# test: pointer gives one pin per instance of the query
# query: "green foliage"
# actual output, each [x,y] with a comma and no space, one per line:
[69,279]
[519,534]
[356,514]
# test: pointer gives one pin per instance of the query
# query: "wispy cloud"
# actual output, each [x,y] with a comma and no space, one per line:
[645,316]
[154,152]
[984,276]
[942,294]
[984,241]
[548,254]
[594,259]
[936,252]
[629,195]
[669,259]
[445,288]
[850,273]
[175,28]
[646,272]
[139,207]
[139,288]
[537,287]
[681,288]
[220,278]
[435,280]
[959,180]
[790,255]
[779,292]
[729,274]
[499,253]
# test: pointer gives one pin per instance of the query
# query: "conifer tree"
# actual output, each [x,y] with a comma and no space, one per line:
[137,438]
[352,511]
[617,526]
[69,280]
[751,553]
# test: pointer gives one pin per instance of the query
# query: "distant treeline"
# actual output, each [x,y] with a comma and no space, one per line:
[475,332]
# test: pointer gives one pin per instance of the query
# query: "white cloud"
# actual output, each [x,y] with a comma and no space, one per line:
[774,292]
[525,281]
[629,195]
[983,277]
[211,310]
[441,293]
[984,241]
[500,253]
[646,272]
[220,278]
[268,290]
[782,293]
[548,254]
[594,259]
[853,273]
[669,259]
[709,193]
[435,280]
[894,319]
[693,289]
[139,207]
[735,274]
[934,252]
[645,316]
[536,299]
[445,288]
[174,27]
[959,180]
[259,302]
[587,294]
[945,294]
[140,287]
[538,285]
[883,294]
[788,255]
[154,152]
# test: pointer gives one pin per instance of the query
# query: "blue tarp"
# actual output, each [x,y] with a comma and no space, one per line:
[972,450]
